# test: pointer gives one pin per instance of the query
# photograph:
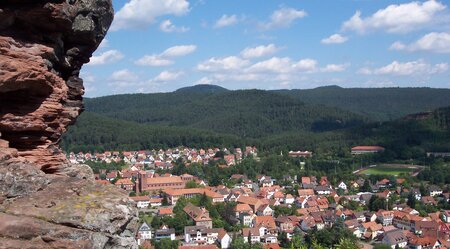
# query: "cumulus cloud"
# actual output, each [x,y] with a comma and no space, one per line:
[283,18]
[222,64]
[142,13]
[177,51]
[397,18]
[168,76]
[417,67]
[168,27]
[204,81]
[306,65]
[259,51]
[397,46]
[432,42]
[165,58]
[123,75]
[274,64]
[333,68]
[154,61]
[225,21]
[274,70]
[106,57]
[334,39]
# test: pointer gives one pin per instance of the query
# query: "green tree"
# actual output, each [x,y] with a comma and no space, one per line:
[411,200]
[191,184]
[366,186]
[346,243]
[166,243]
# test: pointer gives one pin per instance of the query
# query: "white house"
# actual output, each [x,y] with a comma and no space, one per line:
[289,199]
[395,238]
[446,216]
[435,190]
[224,239]
[322,190]
[141,201]
[342,185]
[264,210]
[144,233]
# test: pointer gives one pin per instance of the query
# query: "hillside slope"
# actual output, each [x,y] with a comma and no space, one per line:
[380,104]
[247,113]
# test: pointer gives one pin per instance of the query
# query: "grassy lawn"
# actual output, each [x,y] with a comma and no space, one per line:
[383,170]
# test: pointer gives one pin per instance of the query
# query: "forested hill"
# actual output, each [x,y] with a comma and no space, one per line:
[380,104]
[246,113]
[270,120]
[202,88]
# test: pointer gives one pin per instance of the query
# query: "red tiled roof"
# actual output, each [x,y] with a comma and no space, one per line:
[374,148]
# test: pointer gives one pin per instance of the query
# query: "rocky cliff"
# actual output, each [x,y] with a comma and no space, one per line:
[44,201]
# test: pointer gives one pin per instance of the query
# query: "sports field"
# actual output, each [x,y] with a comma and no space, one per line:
[388,170]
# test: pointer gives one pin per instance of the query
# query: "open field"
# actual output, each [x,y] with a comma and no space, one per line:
[390,169]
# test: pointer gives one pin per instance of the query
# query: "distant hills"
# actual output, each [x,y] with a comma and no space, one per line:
[246,113]
[323,119]
[202,88]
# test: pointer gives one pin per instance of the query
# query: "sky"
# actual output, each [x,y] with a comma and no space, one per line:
[162,45]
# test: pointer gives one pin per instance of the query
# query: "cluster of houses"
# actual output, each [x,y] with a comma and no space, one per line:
[165,159]
[317,206]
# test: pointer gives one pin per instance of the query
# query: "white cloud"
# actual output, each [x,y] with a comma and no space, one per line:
[220,64]
[365,71]
[432,42]
[418,67]
[284,65]
[333,68]
[123,75]
[142,13]
[177,51]
[274,64]
[397,18]
[397,46]
[306,65]
[168,27]
[283,18]
[334,39]
[274,70]
[168,76]
[259,51]
[164,59]
[106,57]
[204,81]
[225,21]
[154,61]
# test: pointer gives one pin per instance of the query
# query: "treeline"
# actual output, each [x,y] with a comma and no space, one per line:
[437,173]
[379,104]
[96,133]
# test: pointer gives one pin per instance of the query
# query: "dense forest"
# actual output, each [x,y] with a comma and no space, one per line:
[216,117]
[247,113]
[379,104]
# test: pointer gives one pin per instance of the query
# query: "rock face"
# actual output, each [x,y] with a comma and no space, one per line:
[43,45]
[44,201]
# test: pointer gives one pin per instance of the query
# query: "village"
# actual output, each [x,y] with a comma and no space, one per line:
[187,211]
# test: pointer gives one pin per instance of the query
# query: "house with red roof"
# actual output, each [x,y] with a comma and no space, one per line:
[358,150]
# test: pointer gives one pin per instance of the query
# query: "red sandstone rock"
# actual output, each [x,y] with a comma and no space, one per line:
[43,45]
[44,201]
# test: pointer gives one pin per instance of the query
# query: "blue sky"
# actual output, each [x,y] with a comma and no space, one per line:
[162,45]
